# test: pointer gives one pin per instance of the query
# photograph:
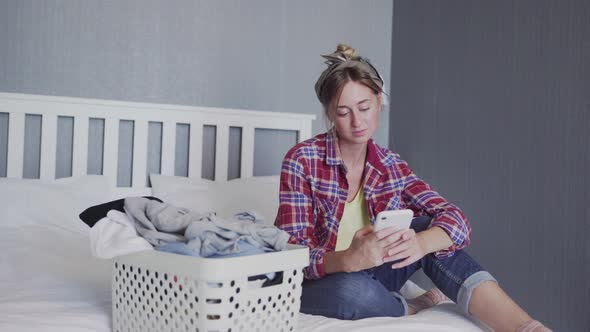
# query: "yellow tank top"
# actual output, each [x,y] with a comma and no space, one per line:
[355,217]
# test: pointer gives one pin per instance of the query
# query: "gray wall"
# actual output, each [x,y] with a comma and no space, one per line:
[499,95]
[260,54]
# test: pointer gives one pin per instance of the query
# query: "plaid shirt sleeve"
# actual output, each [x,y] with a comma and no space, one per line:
[296,213]
[420,197]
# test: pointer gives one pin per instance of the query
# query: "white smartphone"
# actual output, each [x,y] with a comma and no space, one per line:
[400,219]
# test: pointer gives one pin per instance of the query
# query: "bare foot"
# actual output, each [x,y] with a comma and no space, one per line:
[533,326]
[426,300]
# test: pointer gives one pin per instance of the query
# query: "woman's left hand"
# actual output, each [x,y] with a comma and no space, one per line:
[409,247]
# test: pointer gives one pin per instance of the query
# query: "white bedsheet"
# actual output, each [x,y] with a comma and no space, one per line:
[445,317]
[49,281]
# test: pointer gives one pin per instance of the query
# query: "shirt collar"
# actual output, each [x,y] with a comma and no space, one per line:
[375,157]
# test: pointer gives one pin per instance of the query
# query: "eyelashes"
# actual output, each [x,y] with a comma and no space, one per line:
[345,113]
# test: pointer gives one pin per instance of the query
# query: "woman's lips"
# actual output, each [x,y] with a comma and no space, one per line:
[359,133]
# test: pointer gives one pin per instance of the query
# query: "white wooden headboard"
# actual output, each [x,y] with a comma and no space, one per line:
[82,110]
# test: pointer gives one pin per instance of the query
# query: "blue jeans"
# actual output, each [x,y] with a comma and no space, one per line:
[374,292]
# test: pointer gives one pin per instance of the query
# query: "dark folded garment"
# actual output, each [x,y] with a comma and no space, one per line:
[93,214]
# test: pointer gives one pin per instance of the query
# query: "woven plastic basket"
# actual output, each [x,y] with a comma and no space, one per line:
[158,291]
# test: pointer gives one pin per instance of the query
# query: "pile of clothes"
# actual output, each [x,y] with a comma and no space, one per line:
[146,223]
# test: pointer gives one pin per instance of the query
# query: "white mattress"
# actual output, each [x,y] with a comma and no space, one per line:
[50,282]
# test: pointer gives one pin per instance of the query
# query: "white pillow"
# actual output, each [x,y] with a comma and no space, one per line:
[27,202]
[260,194]
[195,194]
[169,183]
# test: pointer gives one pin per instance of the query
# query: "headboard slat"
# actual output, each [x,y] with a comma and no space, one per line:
[168,148]
[80,148]
[16,145]
[195,149]
[247,165]
[111,149]
[140,137]
[221,152]
[48,146]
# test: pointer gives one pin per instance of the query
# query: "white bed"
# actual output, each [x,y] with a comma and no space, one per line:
[48,279]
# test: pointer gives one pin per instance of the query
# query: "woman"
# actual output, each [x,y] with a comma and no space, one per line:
[333,186]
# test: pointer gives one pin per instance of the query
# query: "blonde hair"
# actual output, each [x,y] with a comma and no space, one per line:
[345,65]
[346,50]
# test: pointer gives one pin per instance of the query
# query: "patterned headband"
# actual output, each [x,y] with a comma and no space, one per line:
[336,61]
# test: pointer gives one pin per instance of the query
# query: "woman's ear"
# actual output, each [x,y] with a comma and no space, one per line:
[380,101]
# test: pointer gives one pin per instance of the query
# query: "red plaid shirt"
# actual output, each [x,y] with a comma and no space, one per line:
[314,189]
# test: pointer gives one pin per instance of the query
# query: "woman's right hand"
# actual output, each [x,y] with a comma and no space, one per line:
[368,248]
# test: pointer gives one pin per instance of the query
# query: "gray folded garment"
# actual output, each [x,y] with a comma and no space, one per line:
[218,236]
[163,223]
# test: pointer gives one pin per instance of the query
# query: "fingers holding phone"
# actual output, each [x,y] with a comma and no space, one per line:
[401,243]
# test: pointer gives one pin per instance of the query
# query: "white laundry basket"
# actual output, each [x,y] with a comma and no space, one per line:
[158,291]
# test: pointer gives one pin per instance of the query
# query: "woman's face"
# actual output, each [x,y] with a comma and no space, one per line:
[356,114]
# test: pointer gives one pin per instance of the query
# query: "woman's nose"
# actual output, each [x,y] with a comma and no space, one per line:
[355,119]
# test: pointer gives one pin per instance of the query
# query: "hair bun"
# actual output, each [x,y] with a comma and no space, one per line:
[346,50]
